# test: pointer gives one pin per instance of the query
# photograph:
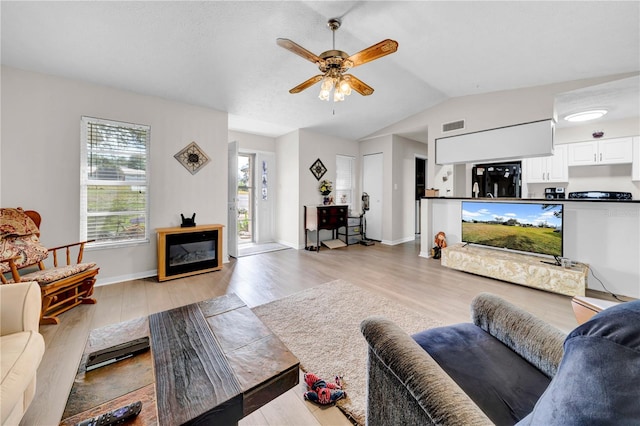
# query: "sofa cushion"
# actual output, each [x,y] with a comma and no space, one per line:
[21,355]
[503,385]
[597,380]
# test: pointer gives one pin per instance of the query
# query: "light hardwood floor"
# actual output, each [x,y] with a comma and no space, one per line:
[396,272]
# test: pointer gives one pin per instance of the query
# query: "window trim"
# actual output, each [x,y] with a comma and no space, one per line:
[86,182]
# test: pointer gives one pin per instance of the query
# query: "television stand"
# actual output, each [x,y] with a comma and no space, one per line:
[523,269]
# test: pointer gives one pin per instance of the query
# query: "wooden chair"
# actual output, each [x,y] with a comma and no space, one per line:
[22,259]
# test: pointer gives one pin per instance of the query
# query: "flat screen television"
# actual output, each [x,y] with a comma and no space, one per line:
[520,226]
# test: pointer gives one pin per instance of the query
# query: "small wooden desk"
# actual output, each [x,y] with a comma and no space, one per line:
[212,362]
[586,307]
[324,217]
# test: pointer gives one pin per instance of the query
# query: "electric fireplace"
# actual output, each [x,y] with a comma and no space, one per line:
[188,251]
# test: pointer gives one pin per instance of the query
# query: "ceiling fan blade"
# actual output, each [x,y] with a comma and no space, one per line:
[384,48]
[298,50]
[305,85]
[357,85]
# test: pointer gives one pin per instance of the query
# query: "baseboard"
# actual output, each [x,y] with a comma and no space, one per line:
[128,277]
[400,241]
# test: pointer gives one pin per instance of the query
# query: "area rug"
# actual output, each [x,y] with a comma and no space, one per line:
[321,326]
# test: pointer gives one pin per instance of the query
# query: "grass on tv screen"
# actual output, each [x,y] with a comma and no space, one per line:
[525,227]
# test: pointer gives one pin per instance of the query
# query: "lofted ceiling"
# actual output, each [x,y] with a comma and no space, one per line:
[223,54]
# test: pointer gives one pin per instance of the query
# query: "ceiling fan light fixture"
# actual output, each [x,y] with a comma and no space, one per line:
[334,63]
[345,87]
[585,115]
[325,88]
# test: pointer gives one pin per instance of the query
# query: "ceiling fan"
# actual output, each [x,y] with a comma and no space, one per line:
[334,63]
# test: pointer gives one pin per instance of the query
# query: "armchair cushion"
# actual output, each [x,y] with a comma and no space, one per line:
[21,348]
[21,355]
[26,248]
[15,222]
[47,276]
[597,380]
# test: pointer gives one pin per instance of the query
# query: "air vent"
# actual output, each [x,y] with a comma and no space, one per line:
[454,125]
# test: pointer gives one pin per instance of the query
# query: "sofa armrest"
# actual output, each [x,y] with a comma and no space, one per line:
[406,386]
[20,305]
[533,339]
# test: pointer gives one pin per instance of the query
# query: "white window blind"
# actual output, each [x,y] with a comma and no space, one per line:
[345,180]
[114,182]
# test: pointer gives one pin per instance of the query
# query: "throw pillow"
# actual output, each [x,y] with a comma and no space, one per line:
[597,380]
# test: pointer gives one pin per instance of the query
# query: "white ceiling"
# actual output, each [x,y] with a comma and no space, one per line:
[223,54]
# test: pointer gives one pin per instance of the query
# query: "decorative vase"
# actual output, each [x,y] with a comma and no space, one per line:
[326,200]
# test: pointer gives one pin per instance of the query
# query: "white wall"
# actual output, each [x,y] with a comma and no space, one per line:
[252,143]
[398,177]
[404,199]
[288,183]
[312,147]
[40,164]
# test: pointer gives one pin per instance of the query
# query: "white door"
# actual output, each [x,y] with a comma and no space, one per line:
[372,184]
[232,196]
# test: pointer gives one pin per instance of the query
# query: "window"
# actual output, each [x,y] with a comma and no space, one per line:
[114,198]
[345,179]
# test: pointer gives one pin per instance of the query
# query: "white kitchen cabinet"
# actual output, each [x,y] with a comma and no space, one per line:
[635,167]
[547,169]
[606,151]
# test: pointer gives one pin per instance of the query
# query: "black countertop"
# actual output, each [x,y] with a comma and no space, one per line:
[538,200]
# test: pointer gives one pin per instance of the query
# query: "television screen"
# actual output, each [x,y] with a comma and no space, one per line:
[525,227]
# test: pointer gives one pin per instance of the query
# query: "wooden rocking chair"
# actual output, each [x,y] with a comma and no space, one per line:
[62,287]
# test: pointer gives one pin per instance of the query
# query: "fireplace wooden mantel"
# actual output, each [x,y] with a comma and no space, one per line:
[184,237]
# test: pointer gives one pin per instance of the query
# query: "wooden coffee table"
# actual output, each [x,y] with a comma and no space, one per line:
[211,361]
[586,307]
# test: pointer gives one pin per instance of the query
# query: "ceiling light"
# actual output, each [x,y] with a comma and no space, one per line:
[586,115]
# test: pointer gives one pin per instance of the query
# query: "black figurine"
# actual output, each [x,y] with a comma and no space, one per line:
[188,222]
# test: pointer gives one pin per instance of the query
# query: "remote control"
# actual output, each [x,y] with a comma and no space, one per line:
[116,353]
[115,417]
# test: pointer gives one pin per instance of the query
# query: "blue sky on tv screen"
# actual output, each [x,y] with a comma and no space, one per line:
[525,213]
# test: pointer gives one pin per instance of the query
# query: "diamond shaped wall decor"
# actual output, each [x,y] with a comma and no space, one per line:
[192,158]
[318,169]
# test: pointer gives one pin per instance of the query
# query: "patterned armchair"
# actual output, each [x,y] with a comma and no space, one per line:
[22,258]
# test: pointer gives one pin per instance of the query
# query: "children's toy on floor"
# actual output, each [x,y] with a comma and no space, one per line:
[440,242]
[323,392]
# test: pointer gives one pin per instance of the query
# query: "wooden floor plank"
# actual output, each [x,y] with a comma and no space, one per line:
[396,272]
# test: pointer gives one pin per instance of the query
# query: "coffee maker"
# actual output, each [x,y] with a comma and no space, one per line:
[554,193]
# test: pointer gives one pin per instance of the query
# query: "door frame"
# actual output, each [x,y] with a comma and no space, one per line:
[376,196]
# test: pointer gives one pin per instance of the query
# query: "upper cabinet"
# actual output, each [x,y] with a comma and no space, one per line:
[635,168]
[606,151]
[547,169]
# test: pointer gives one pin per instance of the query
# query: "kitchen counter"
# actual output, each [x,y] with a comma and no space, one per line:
[536,200]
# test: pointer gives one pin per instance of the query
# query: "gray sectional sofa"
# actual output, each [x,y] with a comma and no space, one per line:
[505,367]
